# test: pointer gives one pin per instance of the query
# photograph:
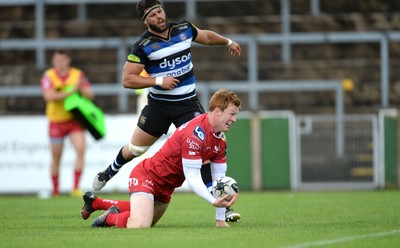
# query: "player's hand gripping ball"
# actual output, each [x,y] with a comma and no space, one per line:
[225,185]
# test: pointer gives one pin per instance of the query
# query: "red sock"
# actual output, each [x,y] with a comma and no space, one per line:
[104,204]
[77,178]
[118,220]
[54,180]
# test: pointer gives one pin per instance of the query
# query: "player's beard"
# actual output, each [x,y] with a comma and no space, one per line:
[157,28]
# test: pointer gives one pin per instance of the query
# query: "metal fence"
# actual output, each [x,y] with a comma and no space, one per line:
[320,164]
[251,43]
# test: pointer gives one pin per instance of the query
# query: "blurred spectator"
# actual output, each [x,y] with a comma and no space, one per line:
[58,83]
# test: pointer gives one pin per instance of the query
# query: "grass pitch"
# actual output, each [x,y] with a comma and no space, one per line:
[269,219]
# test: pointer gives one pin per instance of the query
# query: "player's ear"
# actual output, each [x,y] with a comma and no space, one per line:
[145,22]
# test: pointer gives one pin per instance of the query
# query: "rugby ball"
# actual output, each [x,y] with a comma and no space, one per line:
[225,185]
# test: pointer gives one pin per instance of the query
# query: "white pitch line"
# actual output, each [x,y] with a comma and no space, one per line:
[344,239]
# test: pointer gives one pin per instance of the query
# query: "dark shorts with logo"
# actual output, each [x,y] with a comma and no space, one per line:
[158,115]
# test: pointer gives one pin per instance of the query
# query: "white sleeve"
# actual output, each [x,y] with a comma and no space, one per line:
[218,170]
[191,170]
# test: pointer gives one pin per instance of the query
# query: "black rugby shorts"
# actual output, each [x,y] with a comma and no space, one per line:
[157,116]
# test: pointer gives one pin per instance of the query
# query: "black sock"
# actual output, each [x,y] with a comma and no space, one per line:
[117,164]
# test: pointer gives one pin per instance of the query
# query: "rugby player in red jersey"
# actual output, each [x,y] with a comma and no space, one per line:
[152,181]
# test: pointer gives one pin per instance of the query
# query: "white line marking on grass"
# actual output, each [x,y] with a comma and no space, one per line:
[343,239]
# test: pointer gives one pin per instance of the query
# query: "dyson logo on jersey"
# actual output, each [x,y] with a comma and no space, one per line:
[171,64]
[180,72]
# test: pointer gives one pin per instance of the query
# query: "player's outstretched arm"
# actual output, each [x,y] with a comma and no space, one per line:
[208,37]
[134,78]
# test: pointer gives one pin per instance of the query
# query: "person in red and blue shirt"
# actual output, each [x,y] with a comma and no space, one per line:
[59,82]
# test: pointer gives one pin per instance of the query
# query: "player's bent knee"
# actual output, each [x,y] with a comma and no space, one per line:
[138,150]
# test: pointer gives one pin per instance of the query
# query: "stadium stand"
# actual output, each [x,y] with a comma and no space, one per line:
[359,61]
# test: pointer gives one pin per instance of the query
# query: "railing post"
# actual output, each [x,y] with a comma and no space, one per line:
[285,22]
[82,12]
[384,71]
[39,34]
[252,63]
[123,100]
[315,10]
[191,10]
[339,120]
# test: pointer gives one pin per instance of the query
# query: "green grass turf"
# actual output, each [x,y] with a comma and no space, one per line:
[269,219]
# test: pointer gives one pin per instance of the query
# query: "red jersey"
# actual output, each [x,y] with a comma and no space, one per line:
[193,140]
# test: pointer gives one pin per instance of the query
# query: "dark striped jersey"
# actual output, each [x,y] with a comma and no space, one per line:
[168,57]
